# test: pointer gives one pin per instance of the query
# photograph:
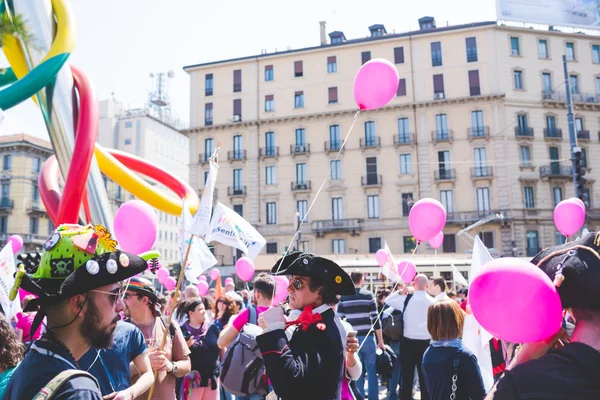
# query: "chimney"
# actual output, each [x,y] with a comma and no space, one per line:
[323,34]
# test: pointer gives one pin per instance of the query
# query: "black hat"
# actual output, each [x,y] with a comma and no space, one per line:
[575,269]
[321,270]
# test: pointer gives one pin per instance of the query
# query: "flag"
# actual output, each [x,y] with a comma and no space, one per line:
[229,228]
[200,257]
[201,222]
[457,277]
[7,281]
[218,289]
[390,268]
[479,258]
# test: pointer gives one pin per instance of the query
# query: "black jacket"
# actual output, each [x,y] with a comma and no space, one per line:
[205,355]
[310,366]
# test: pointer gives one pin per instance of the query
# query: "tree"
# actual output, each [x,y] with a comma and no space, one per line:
[15,27]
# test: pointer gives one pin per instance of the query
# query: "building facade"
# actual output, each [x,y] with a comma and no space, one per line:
[479,122]
[22,211]
[138,132]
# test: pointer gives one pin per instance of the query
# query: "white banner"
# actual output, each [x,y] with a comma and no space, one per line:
[479,258]
[7,280]
[200,257]
[229,228]
[390,268]
[457,277]
[201,222]
[575,13]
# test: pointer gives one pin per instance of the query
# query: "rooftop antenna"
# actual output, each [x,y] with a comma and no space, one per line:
[159,101]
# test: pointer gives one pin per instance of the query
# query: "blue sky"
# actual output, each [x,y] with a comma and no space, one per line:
[120,42]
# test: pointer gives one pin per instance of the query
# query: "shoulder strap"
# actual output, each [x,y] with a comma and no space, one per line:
[252,315]
[455,363]
[49,391]
[408,296]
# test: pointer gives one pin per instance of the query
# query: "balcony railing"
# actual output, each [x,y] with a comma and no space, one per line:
[236,155]
[523,132]
[336,225]
[371,180]
[333,146]
[6,203]
[299,149]
[555,170]
[552,133]
[469,217]
[590,98]
[300,186]
[448,174]
[204,158]
[404,139]
[481,172]
[35,205]
[442,136]
[583,135]
[371,142]
[234,191]
[479,132]
[268,152]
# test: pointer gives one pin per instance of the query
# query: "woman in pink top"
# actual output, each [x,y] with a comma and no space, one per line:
[24,322]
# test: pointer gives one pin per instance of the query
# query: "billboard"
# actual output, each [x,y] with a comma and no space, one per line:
[575,13]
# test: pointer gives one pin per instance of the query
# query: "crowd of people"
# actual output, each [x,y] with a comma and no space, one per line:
[98,330]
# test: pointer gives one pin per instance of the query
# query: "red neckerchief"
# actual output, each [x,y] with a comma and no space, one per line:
[306,319]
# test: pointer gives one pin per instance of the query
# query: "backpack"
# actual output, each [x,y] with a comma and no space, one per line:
[243,368]
[49,391]
[393,326]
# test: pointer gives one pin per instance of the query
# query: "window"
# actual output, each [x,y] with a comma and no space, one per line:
[488,239]
[365,56]
[518,78]
[533,246]
[301,175]
[269,76]
[37,164]
[237,80]
[7,162]
[543,48]
[522,124]
[208,149]
[331,64]
[584,158]
[401,87]
[371,169]
[474,86]
[596,54]
[587,197]
[34,225]
[337,208]
[298,72]
[444,170]
[239,208]
[480,155]
[477,127]
[398,55]
[574,82]
[333,95]
[529,198]
[4,224]
[128,124]
[237,110]
[526,156]
[370,138]
[449,243]
[336,169]
[269,103]
[119,193]
[127,141]
[578,124]
[35,192]
[302,208]
[269,143]
[5,192]
[299,100]
[238,147]
[272,248]
[436,54]
[598,85]
[547,82]
[405,164]
[409,244]
[483,199]
[447,200]
[373,206]
[374,245]
[407,203]
[237,179]
[338,246]
[403,131]
[335,141]
[557,195]
[570,51]
[300,137]
[514,46]
[270,175]
[438,86]
[471,44]
[558,238]
[441,127]
[208,85]
[208,114]
[551,124]
[271,213]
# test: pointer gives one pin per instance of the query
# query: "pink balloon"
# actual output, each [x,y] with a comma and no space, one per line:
[16,243]
[202,287]
[578,201]
[214,274]
[281,285]
[135,227]
[382,257]
[407,271]
[568,217]
[244,268]
[437,240]
[535,314]
[202,278]
[426,219]
[375,84]
[162,274]
[170,283]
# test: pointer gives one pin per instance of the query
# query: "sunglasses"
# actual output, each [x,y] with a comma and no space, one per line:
[114,296]
[296,283]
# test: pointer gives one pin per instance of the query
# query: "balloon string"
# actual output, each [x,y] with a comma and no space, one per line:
[337,156]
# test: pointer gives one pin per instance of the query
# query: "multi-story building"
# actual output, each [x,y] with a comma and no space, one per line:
[479,122]
[139,133]
[21,209]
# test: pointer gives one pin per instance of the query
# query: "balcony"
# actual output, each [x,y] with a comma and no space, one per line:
[6,204]
[353,225]
[522,132]
[203,159]
[300,149]
[482,172]
[35,206]
[583,135]
[371,180]
[442,136]
[35,239]
[333,146]
[439,96]
[479,132]
[553,133]
[372,142]
[561,97]
[556,171]
[268,152]
[236,155]
[448,174]
[470,217]
[236,191]
[404,139]
[300,186]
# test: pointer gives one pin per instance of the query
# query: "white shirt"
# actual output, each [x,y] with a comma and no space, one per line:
[415,316]
[442,296]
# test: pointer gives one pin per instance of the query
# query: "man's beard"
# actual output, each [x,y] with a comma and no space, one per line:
[91,329]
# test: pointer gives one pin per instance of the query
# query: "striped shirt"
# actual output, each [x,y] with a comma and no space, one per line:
[360,311]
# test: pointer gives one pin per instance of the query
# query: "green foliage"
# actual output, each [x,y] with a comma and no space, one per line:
[15,27]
